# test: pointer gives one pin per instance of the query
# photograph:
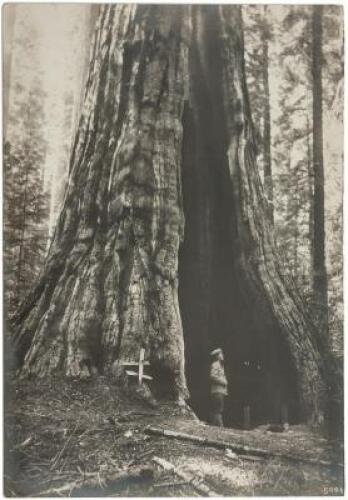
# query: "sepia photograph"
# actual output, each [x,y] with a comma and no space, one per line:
[172,250]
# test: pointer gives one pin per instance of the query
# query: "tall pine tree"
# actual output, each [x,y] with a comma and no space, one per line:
[320,286]
[25,200]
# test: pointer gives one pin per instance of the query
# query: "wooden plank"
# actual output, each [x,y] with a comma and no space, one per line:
[284,413]
[134,363]
[141,365]
[135,374]
[246,417]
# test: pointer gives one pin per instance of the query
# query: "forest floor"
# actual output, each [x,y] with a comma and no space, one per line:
[91,439]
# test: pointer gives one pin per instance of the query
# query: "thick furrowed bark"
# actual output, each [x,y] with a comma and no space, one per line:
[110,285]
[229,260]
[257,263]
[116,243]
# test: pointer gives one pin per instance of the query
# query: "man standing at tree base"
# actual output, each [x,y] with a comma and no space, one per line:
[218,387]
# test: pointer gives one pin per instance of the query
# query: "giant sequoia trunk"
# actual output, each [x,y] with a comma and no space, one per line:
[164,158]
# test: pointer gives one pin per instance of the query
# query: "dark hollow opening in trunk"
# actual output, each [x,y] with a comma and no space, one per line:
[214,304]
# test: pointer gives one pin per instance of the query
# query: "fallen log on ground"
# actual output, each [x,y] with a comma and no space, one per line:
[125,417]
[187,478]
[238,448]
[170,484]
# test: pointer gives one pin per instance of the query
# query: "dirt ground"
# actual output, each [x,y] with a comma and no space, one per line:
[89,439]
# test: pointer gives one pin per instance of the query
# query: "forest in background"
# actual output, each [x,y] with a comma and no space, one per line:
[44,82]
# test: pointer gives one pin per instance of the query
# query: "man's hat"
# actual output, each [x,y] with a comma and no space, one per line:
[215,352]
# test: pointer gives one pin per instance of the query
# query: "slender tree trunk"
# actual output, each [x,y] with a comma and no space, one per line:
[320,293]
[9,16]
[310,201]
[110,284]
[22,238]
[267,173]
[296,201]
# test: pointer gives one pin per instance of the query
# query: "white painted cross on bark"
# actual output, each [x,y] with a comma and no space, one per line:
[140,366]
